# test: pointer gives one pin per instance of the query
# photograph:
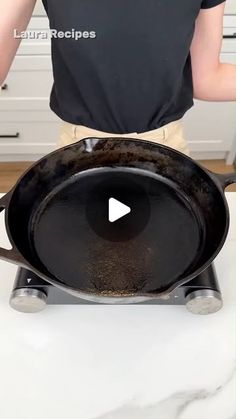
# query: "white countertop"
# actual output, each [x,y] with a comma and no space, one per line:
[120,362]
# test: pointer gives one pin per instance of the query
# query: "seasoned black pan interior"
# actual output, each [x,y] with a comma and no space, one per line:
[65,240]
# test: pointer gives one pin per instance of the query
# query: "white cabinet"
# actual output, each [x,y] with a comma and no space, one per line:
[39,45]
[21,132]
[39,9]
[230,7]
[30,76]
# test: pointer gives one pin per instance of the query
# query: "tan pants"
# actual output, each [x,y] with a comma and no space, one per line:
[171,135]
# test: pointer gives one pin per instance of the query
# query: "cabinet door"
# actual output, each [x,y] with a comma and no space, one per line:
[41,44]
[210,126]
[26,140]
[30,76]
[230,7]
[39,9]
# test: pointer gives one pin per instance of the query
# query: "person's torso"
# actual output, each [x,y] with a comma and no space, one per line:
[132,72]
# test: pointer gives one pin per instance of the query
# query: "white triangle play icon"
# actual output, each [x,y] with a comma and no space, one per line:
[117,210]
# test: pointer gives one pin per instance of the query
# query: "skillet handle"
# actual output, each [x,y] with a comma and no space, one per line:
[223,179]
[226,179]
[11,255]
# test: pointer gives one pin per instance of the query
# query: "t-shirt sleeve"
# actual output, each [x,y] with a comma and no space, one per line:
[207,4]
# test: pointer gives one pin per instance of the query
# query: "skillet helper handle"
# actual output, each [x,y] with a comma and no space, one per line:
[11,255]
[226,179]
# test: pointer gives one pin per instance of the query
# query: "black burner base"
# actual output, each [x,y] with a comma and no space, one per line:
[201,295]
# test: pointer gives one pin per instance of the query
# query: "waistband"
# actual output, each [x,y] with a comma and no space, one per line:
[161,132]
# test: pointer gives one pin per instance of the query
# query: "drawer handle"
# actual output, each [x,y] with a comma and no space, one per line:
[16,135]
[233,36]
[4,86]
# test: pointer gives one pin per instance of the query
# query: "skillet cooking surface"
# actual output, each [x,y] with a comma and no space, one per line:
[148,249]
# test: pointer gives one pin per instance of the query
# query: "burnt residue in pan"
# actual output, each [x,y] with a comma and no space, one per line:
[126,268]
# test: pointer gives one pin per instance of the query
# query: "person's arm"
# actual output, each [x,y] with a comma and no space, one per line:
[14,14]
[212,80]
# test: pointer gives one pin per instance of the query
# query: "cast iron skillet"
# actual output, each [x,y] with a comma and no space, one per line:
[56,219]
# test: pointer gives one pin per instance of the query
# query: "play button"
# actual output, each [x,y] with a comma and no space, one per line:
[118,207]
[117,210]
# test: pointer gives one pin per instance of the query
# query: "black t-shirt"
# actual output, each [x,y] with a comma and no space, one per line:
[130,71]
